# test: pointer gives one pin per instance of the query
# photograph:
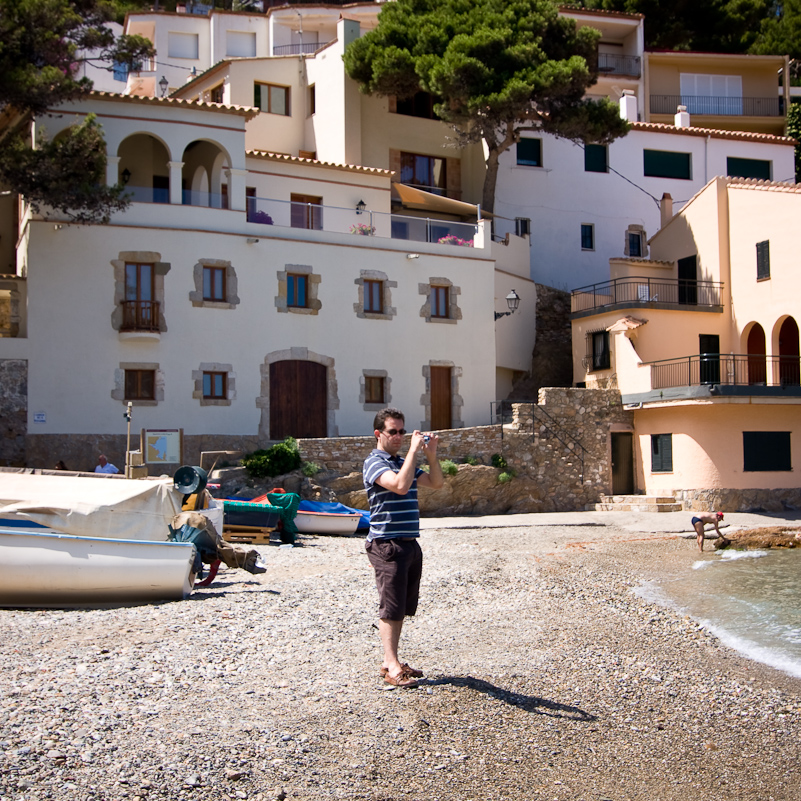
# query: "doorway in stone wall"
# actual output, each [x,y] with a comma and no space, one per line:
[622,463]
[441,398]
[298,392]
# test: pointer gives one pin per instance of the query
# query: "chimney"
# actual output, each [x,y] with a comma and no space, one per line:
[665,210]
[682,118]
[628,106]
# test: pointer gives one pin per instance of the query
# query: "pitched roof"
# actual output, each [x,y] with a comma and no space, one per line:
[715,133]
[243,111]
[287,159]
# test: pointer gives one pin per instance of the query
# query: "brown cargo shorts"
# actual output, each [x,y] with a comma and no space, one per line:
[398,566]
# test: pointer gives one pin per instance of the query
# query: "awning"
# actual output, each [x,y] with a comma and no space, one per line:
[627,323]
[414,198]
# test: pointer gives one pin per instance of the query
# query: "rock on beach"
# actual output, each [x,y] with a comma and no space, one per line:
[546,678]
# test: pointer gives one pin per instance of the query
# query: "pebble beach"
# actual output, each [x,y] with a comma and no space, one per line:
[546,678]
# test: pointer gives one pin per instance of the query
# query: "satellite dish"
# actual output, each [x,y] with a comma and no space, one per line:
[188,480]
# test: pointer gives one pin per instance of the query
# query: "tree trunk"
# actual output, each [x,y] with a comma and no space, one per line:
[490,179]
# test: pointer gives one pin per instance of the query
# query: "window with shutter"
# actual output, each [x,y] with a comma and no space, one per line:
[763,259]
[661,453]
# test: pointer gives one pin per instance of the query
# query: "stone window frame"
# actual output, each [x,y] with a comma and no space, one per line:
[118,393]
[389,310]
[230,383]
[160,269]
[374,407]
[636,229]
[457,401]
[454,312]
[231,285]
[313,303]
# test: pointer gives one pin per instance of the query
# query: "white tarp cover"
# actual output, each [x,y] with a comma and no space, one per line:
[91,507]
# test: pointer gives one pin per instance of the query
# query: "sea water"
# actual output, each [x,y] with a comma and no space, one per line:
[750,600]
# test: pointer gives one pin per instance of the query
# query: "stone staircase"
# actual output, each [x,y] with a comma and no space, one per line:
[637,503]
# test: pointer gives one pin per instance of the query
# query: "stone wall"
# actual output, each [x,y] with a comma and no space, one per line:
[13,411]
[741,500]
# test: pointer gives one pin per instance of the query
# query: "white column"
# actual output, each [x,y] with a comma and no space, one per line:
[236,188]
[176,195]
[112,170]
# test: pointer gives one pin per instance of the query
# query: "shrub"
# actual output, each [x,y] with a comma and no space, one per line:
[284,457]
[260,217]
[471,460]
[449,468]
[498,461]
[310,469]
[506,476]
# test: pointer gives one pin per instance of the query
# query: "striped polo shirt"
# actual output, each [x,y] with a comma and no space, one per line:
[391,515]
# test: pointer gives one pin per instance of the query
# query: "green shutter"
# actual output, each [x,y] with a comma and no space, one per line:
[748,168]
[595,158]
[661,453]
[667,164]
[529,152]
[763,259]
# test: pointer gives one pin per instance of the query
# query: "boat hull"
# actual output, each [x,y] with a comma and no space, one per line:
[326,522]
[51,569]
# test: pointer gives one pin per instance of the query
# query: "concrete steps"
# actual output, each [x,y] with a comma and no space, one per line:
[637,503]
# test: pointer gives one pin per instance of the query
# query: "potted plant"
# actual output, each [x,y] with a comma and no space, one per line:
[362,229]
[451,239]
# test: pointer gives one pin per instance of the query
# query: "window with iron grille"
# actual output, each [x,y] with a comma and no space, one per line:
[439,301]
[763,259]
[529,152]
[215,385]
[140,385]
[374,297]
[296,290]
[661,453]
[598,355]
[766,451]
[373,389]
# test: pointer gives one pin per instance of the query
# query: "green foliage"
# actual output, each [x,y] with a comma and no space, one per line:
[43,45]
[310,469]
[498,461]
[498,67]
[281,458]
[780,32]
[506,477]
[471,460]
[794,130]
[449,468]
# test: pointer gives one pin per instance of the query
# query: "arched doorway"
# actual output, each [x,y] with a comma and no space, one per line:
[789,367]
[298,391]
[757,372]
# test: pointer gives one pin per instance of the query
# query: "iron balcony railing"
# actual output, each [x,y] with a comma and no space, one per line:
[727,368]
[719,106]
[298,49]
[140,315]
[642,291]
[614,64]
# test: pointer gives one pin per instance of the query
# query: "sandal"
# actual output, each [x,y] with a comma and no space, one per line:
[408,671]
[401,681]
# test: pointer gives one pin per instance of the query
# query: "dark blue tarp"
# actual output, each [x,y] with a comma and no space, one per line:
[319,506]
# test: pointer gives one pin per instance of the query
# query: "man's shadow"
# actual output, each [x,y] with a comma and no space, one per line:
[528,703]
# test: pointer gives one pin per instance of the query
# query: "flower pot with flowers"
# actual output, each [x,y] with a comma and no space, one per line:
[451,239]
[362,229]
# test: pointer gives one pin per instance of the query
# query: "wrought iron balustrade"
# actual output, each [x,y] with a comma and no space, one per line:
[614,64]
[642,291]
[730,369]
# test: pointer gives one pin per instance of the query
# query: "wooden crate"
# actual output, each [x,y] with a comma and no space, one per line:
[247,534]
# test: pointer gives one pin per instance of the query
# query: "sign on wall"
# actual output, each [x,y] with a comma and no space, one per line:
[163,446]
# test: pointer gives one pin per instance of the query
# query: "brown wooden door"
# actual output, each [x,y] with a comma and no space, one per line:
[622,464]
[298,399]
[440,398]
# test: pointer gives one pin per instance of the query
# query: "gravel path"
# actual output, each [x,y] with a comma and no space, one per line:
[546,679]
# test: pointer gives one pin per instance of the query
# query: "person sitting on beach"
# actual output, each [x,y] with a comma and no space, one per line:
[698,524]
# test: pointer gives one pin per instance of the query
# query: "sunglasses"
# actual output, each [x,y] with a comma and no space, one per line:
[395,431]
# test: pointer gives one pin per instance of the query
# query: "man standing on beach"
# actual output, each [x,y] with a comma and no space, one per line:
[698,524]
[392,548]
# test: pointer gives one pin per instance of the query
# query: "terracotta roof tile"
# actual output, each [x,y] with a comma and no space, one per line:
[264,154]
[716,133]
[244,111]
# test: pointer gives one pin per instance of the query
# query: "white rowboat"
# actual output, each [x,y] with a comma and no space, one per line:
[327,522]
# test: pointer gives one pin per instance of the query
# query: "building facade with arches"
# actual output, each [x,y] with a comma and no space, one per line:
[702,340]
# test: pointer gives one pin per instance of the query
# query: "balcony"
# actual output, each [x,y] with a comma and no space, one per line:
[641,292]
[298,49]
[613,64]
[748,372]
[335,219]
[719,106]
[140,316]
